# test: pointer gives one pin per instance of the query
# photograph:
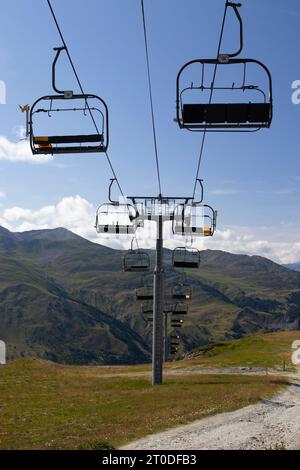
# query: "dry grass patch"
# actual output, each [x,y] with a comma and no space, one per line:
[48,406]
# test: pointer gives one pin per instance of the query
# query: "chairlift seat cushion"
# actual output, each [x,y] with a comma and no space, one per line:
[237,112]
[231,113]
[259,112]
[68,139]
[216,113]
[193,113]
[186,264]
[69,150]
[136,268]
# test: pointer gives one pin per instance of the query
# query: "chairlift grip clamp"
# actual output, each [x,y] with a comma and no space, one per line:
[234,5]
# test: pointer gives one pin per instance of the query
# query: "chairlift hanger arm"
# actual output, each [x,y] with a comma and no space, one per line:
[58,52]
[200,181]
[112,180]
[235,7]
[117,203]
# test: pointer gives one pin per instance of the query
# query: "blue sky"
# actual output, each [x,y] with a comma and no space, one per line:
[252,179]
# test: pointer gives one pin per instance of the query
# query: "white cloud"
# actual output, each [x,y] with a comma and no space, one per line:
[20,152]
[223,192]
[280,243]
[20,132]
[2,195]
[73,213]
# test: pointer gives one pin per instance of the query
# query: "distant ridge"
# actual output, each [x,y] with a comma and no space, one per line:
[294,266]
[67,299]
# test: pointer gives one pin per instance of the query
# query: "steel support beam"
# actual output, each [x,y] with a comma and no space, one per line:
[158,310]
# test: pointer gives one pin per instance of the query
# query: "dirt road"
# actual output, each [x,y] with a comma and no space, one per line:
[262,426]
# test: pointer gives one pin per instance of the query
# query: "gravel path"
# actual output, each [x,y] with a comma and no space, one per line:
[264,425]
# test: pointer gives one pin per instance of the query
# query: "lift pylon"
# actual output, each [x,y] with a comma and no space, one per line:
[160,209]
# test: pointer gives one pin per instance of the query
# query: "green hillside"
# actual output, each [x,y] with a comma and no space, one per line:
[257,351]
[38,317]
[66,299]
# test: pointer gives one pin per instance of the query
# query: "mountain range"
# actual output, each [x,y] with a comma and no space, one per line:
[68,300]
[295,266]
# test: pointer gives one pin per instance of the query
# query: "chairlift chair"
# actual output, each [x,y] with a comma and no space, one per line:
[173,351]
[116,218]
[182,292]
[179,309]
[63,103]
[137,261]
[175,341]
[147,308]
[177,322]
[186,258]
[144,293]
[175,337]
[147,312]
[194,220]
[251,107]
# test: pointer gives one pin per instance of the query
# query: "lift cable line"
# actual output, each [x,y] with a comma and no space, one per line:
[151,97]
[211,96]
[82,90]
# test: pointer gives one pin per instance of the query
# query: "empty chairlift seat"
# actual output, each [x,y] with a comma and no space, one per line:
[137,261]
[84,106]
[177,323]
[179,309]
[144,293]
[186,258]
[116,219]
[249,107]
[182,292]
[195,220]
[234,113]
[174,340]
[147,312]
[90,110]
